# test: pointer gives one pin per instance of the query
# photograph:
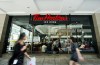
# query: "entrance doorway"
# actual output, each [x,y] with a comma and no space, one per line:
[48,35]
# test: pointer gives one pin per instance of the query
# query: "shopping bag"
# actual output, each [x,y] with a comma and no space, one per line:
[32,61]
[15,61]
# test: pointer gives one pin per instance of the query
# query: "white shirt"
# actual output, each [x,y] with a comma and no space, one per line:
[44,48]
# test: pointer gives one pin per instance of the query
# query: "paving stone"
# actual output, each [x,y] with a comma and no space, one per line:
[55,59]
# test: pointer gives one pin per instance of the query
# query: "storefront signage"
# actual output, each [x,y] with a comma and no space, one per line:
[38,19]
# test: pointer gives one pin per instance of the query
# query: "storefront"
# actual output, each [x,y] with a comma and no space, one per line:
[52,27]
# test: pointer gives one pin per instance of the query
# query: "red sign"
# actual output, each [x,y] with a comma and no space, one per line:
[48,17]
[38,19]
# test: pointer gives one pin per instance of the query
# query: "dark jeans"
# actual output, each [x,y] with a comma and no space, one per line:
[10,62]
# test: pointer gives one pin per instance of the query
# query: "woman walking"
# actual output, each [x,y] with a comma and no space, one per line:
[76,55]
[19,51]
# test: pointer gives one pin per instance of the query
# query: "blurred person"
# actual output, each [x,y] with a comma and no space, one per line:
[49,47]
[19,51]
[59,44]
[44,47]
[68,46]
[87,46]
[76,55]
[55,47]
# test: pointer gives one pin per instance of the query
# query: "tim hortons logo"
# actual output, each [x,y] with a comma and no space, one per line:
[48,17]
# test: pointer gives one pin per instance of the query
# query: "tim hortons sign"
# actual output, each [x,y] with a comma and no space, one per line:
[38,19]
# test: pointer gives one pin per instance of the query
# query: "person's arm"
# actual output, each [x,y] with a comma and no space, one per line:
[24,48]
[27,55]
[79,55]
[82,46]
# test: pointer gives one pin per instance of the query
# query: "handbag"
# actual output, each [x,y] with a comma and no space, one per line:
[32,61]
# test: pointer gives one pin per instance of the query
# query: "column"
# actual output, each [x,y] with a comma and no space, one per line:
[96,24]
[3,26]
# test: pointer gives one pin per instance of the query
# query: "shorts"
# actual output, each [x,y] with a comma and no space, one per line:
[74,57]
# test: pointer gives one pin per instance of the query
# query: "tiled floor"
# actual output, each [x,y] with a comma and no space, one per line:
[55,59]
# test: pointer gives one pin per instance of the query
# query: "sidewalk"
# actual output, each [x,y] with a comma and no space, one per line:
[56,59]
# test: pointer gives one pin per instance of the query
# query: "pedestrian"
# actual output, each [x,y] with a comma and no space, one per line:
[44,47]
[19,51]
[76,55]
[55,47]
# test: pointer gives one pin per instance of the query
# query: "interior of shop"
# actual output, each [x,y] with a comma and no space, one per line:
[42,38]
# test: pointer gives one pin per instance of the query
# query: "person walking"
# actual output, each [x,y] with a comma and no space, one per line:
[19,51]
[76,55]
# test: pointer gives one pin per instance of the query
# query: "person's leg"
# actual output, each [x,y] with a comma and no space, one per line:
[71,62]
[76,63]
[10,62]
